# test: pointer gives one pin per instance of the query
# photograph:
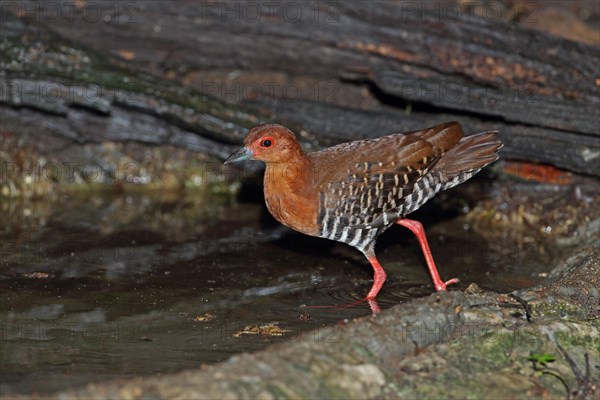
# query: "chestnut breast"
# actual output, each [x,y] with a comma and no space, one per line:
[291,195]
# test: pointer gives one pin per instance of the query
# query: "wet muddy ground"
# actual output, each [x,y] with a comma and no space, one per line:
[98,286]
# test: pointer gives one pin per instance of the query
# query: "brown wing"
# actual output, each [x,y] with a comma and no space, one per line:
[363,184]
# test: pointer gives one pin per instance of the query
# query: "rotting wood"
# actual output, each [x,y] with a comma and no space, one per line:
[539,91]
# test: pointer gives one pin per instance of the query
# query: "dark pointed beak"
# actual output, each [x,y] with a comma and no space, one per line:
[243,153]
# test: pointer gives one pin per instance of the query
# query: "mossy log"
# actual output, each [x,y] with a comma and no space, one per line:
[541,92]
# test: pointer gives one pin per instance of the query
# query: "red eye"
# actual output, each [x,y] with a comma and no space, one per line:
[266,142]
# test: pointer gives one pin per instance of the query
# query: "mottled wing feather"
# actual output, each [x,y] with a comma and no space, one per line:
[372,194]
[376,185]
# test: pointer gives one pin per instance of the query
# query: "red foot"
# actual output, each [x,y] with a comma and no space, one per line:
[441,286]
[379,278]
[374,306]
[417,229]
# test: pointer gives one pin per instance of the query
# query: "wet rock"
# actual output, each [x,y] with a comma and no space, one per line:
[423,348]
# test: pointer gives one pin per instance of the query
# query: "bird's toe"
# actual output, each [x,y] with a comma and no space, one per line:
[441,287]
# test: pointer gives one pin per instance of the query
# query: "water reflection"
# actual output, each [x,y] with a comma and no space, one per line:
[103,286]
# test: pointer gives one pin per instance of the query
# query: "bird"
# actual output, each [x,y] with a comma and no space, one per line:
[355,191]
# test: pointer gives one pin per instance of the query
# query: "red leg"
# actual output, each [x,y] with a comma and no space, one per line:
[378,278]
[417,229]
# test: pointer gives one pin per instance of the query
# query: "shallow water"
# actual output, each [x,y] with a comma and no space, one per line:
[94,287]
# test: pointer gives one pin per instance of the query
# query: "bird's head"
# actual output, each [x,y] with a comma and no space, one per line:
[270,143]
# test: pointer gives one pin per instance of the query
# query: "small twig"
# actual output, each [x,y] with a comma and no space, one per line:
[539,365]
[555,373]
[584,383]
[525,305]
[508,305]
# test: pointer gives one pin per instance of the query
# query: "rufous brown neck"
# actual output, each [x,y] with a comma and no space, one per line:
[291,194]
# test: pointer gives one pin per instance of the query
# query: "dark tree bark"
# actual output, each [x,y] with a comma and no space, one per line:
[541,92]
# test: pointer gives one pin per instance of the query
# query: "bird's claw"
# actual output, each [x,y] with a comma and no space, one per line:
[441,286]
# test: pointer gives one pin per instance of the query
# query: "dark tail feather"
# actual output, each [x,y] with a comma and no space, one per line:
[467,158]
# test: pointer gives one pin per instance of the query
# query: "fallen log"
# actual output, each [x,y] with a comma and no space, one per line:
[438,57]
[539,91]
